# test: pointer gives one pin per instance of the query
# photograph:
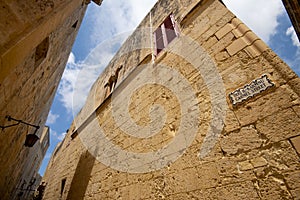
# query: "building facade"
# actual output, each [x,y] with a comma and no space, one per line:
[30,178]
[193,106]
[36,38]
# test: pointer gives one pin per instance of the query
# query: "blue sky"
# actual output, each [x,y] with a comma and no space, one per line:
[96,44]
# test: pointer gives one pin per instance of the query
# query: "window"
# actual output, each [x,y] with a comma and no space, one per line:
[41,51]
[75,24]
[63,183]
[74,135]
[165,33]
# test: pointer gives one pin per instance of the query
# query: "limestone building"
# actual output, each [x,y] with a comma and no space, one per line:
[35,40]
[30,178]
[193,106]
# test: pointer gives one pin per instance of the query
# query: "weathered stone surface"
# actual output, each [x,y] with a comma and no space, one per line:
[236,46]
[293,182]
[259,162]
[222,56]
[36,38]
[251,111]
[286,72]
[295,84]
[280,125]
[245,165]
[252,157]
[245,139]
[280,157]
[234,170]
[273,187]
[244,190]
[223,31]
[296,143]
[297,110]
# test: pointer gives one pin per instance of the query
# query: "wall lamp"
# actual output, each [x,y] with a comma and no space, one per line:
[30,138]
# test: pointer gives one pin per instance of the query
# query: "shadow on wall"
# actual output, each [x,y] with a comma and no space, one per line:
[81,177]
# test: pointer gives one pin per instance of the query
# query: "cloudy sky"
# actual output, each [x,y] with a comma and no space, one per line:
[105,27]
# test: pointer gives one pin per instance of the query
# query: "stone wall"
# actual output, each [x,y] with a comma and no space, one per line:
[201,143]
[30,175]
[36,38]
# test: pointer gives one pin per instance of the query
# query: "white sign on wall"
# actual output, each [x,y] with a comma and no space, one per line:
[251,90]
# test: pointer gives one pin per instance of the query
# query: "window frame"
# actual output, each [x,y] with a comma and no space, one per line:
[164,33]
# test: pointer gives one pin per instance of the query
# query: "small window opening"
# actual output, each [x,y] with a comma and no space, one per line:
[63,184]
[41,51]
[75,24]
[165,33]
[74,135]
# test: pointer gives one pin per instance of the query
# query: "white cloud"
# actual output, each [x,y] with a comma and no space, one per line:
[79,76]
[71,59]
[260,16]
[52,118]
[61,136]
[65,89]
[56,135]
[291,32]
[123,16]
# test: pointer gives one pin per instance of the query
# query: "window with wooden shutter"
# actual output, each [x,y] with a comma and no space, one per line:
[165,33]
